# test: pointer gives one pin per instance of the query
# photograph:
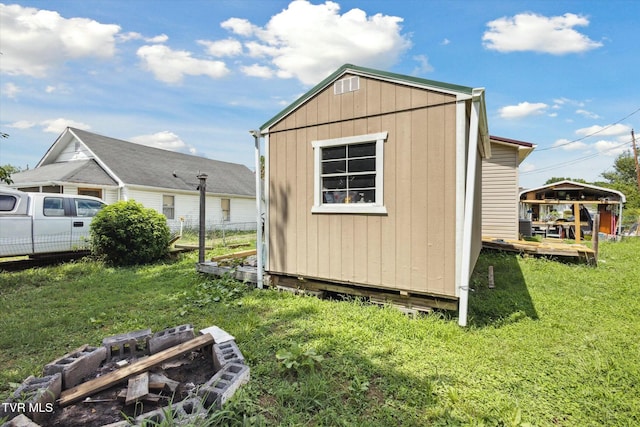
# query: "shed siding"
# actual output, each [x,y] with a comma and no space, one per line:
[412,247]
[500,193]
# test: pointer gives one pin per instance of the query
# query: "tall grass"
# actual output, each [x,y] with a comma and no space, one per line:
[553,344]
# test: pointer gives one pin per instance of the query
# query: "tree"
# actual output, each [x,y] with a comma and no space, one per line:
[558,179]
[624,170]
[7,170]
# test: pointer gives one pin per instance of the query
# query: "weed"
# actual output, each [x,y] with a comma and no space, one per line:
[296,359]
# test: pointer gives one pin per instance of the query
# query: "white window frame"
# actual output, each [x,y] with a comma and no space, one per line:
[349,208]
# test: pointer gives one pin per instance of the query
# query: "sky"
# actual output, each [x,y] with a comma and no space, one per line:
[196,76]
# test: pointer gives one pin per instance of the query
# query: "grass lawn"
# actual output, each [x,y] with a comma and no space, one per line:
[552,345]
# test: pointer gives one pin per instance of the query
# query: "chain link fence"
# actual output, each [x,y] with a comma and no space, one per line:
[217,234]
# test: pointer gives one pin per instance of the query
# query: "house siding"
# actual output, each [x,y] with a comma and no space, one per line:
[412,248]
[500,193]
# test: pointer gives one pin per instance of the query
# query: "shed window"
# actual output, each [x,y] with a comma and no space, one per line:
[168,207]
[348,174]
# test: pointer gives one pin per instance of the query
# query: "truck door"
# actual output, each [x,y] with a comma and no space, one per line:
[82,210]
[52,226]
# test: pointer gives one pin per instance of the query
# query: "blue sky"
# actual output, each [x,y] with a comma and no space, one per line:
[195,76]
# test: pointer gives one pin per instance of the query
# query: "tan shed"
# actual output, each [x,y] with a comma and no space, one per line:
[500,188]
[373,181]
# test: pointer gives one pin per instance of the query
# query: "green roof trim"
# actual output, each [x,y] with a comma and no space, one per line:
[384,75]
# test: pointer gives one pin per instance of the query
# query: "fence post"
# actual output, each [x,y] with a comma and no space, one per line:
[595,237]
[203,211]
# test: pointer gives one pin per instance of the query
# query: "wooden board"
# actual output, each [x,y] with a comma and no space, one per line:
[241,254]
[137,388]
[88,388]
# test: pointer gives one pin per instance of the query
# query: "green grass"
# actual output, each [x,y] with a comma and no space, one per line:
[552,345]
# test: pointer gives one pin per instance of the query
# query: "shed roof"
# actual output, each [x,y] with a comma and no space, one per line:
[524,148]
[568,186]
[118,161]
[369,72]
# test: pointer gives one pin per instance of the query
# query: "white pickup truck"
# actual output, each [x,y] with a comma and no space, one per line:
[43,223]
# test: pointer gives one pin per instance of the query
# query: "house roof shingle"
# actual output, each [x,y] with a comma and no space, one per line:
[136,164]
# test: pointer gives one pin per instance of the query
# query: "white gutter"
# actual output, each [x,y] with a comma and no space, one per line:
[260,272]
[467,232]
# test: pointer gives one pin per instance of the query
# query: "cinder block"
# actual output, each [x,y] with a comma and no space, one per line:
[37,395]
[131,344]
[179,413]
[20,421]
[77,365]
[227,352]
[219,335]
[170,337]
[222,386]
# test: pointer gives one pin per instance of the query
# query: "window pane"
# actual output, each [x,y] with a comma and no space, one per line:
[362,165]
[53,206]
[362,150]
[7,203]
[362,181]
[333,196]
[365,196]
[334,182]
[334,167]
[329,153]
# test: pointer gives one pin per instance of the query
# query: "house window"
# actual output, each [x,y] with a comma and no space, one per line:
[226,209]
[348,174]
[93,192]
[168,206]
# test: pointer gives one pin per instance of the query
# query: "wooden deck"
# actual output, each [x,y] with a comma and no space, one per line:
[546,248]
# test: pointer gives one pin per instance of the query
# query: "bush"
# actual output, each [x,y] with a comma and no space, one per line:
[127,233]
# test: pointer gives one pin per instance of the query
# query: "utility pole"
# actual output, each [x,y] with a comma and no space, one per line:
[635,156]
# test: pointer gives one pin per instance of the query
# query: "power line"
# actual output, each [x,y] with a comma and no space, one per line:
[571,162]
[589,135]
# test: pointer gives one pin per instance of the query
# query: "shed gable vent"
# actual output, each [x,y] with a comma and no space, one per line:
[349,84]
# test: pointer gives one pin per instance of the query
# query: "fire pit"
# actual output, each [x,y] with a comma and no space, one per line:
[132,379]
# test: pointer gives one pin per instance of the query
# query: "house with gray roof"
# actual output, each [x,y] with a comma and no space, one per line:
[81,162]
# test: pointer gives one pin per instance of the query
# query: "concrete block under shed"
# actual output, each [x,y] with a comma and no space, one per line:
[170,337]
[222,386]
[227,352]
[76,365]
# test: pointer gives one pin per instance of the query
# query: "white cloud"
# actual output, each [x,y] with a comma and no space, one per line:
[587,114]
[34,41]
[60,124]
[308,41]
[527,167]
[10,90]
[424,66]
[227,47]
[523,109]
[21,124]
[137,36]
[170,66]
[610,148]
[257,70]
[165,140]
[445,42]
[613,130]
[532,32]
[239,26]
[567,145]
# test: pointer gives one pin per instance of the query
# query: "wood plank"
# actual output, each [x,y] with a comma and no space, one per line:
[88,388]
[137,388]
[241,254]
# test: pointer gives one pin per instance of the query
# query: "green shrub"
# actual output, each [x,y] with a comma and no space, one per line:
[127,233]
